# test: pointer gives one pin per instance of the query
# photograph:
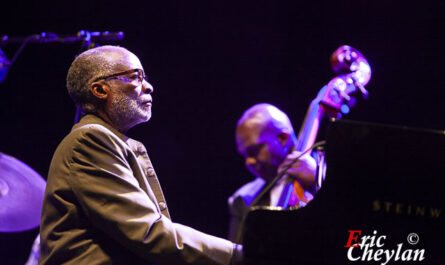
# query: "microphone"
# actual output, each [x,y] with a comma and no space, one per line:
[104,35]
[82,35]
[87,36]
[89,40]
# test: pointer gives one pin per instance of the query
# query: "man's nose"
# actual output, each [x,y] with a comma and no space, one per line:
[147,87]
[250,161]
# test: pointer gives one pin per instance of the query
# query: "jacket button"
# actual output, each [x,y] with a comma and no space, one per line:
[150,172]
[162,206]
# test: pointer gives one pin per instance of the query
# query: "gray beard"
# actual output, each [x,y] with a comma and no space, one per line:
[126,113]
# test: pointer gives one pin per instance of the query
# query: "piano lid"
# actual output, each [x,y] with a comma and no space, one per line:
[383,182]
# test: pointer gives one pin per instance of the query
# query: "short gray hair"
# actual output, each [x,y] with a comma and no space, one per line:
[87,67]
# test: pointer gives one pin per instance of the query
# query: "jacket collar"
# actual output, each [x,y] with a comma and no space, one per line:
[93,119]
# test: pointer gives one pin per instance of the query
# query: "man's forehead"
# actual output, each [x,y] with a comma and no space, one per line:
[133,59]
[248,134]
[119,59]
[127,61]
[252,133]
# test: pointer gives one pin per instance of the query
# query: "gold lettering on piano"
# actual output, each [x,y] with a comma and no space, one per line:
[388,206]
[399,208]
[420,211]
[435,212]
[405,209]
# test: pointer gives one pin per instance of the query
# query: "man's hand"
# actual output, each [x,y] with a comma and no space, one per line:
[303,170]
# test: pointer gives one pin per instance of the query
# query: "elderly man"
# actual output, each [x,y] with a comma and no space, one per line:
[266,139]
[103,203]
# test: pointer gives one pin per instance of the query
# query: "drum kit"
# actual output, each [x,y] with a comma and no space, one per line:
[21,195]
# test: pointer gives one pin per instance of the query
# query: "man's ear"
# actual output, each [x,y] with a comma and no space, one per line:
[100,90]
[283,137]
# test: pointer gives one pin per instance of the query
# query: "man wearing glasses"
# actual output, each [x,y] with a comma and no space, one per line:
[103,203]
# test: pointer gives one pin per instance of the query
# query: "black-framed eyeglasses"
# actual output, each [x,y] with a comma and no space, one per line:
[128,76]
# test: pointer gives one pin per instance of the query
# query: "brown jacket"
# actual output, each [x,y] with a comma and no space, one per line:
[101,207]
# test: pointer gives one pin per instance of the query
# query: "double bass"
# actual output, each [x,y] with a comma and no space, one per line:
[333,100]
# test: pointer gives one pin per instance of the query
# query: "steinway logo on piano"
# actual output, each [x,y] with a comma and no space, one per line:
[372,248]
[405,209]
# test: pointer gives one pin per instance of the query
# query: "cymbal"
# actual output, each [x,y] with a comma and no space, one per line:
[21,195]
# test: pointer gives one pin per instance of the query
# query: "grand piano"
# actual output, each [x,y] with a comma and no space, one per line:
[382,183]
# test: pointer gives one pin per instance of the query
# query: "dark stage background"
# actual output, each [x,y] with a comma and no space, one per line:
[209,61]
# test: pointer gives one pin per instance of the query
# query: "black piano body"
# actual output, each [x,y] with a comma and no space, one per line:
[383,182]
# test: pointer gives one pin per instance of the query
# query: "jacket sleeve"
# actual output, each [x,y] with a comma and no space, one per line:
[237,209]
[109,195]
